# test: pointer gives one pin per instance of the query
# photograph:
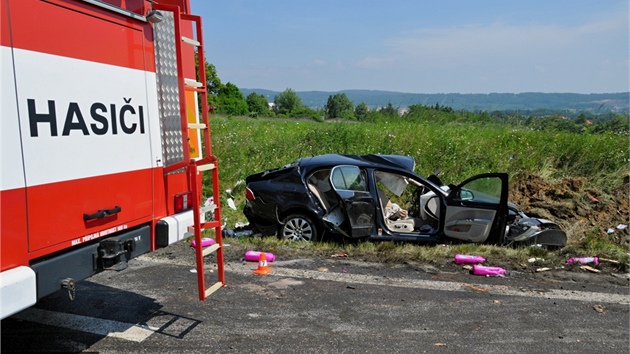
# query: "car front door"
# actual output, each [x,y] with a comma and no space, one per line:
[476,210]
[350,184]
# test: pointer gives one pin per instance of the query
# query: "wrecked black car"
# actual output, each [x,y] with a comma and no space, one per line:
[380,197]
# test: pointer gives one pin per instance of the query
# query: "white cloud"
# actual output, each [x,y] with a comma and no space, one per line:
[339,66]
[374,62]
[505,57]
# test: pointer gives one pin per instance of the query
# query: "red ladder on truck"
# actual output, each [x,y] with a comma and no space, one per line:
[208,162]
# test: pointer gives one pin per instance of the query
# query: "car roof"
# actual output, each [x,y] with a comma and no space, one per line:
[372,160]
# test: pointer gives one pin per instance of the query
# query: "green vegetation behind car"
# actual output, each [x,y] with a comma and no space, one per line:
[460,149]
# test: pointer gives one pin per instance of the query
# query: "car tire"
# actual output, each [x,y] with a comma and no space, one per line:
[298,227]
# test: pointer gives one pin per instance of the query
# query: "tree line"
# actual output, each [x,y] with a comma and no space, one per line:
[229,100]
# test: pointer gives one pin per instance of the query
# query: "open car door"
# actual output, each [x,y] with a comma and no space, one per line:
[350,184]
[476,210]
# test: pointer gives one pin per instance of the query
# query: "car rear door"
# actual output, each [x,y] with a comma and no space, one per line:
[350,184]
[476,210]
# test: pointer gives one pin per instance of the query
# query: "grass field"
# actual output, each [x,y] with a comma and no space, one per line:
[246,145]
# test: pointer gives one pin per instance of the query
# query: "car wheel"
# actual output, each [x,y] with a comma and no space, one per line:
[298,228]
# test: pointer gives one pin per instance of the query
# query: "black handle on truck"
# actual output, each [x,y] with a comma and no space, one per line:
[102,213]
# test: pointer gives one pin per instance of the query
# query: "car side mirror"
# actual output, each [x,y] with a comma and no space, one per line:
[466,195]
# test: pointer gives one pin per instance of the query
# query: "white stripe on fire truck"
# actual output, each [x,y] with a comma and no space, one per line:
[72,128]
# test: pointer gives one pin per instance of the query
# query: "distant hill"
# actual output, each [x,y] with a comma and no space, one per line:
[529,101]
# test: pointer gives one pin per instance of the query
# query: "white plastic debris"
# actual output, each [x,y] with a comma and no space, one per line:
[231,203]
[621,226]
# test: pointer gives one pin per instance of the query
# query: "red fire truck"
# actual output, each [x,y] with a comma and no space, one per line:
[105,140]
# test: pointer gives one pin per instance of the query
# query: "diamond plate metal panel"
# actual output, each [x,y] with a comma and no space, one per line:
[168,90]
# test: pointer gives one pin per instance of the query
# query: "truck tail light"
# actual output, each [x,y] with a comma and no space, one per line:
[249,195]
[183,201]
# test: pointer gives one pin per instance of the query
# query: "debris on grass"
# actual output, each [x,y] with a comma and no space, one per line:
[231,203]
[609,261]
[590,269]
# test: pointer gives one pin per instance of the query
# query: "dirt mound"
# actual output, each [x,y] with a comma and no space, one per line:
[579,209]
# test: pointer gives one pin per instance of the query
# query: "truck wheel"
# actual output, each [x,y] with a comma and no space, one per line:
[298,227]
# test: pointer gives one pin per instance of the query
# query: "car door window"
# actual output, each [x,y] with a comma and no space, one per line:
[476,209]
[348,178]
[482,190]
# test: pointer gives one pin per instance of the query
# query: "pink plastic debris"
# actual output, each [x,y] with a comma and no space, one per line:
[584,260]
[483,270]
[254,256]
[205,242]
[466,259]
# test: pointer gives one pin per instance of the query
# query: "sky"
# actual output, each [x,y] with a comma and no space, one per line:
[419,46]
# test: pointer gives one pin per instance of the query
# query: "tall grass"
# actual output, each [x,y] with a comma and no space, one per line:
[461,150]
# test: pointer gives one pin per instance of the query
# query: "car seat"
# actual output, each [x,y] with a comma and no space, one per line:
[400,225]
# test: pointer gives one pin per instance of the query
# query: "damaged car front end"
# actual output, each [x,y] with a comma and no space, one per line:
[526,230]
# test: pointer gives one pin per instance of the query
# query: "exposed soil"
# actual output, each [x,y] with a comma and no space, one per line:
[580,209]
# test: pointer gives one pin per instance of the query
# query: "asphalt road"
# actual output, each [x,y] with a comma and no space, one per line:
[331,305]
